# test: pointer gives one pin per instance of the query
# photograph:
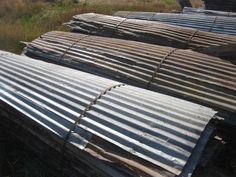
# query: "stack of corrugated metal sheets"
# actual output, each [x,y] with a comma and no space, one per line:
[155,33]
[222,5]
[189,10]
[183,73]
[216,24]
[154,130]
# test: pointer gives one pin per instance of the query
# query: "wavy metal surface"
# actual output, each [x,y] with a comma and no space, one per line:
[189,10]
[160,129]
[190,75]
[155,33]
[226,5]
[216,24]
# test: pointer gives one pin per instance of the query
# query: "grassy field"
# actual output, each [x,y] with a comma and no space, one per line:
[24,20]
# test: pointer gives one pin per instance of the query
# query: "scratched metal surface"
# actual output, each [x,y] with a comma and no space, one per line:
[160,129]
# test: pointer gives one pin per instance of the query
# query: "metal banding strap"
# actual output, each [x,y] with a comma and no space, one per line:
[151,16]
[87,108]
[191,37]
[159,66]
[128,14]
[117,26]
[76,41]
[213,24]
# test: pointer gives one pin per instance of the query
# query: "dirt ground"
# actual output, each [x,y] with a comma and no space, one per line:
[16,160]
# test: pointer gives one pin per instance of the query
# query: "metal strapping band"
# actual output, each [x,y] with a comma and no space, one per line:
[159,66]
[116,27]
[128,14]
[191,37]
[213,24]
[87,108]
[151,16]
[76,41]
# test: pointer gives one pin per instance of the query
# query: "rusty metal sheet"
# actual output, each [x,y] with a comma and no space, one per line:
[182,73]
[153,32]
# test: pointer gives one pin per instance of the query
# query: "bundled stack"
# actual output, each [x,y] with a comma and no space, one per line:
[183,73]
[189,10]
[93,126]
[221,5]
[155,33]
[115,129]
[216,24]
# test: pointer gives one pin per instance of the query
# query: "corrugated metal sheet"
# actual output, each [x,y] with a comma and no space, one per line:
[160,129]
[226,5]
[189,10]
[216,24]
[190,75]
[155,33]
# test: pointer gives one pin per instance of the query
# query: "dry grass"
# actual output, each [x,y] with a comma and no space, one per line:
[17,8]
[196,3]
[106,7]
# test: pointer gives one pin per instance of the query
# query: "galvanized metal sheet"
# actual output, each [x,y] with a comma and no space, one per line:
[226,5]
[189,10]
[216,24]
[158,128]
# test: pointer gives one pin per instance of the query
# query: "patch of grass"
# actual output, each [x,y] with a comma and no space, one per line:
[196,3]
